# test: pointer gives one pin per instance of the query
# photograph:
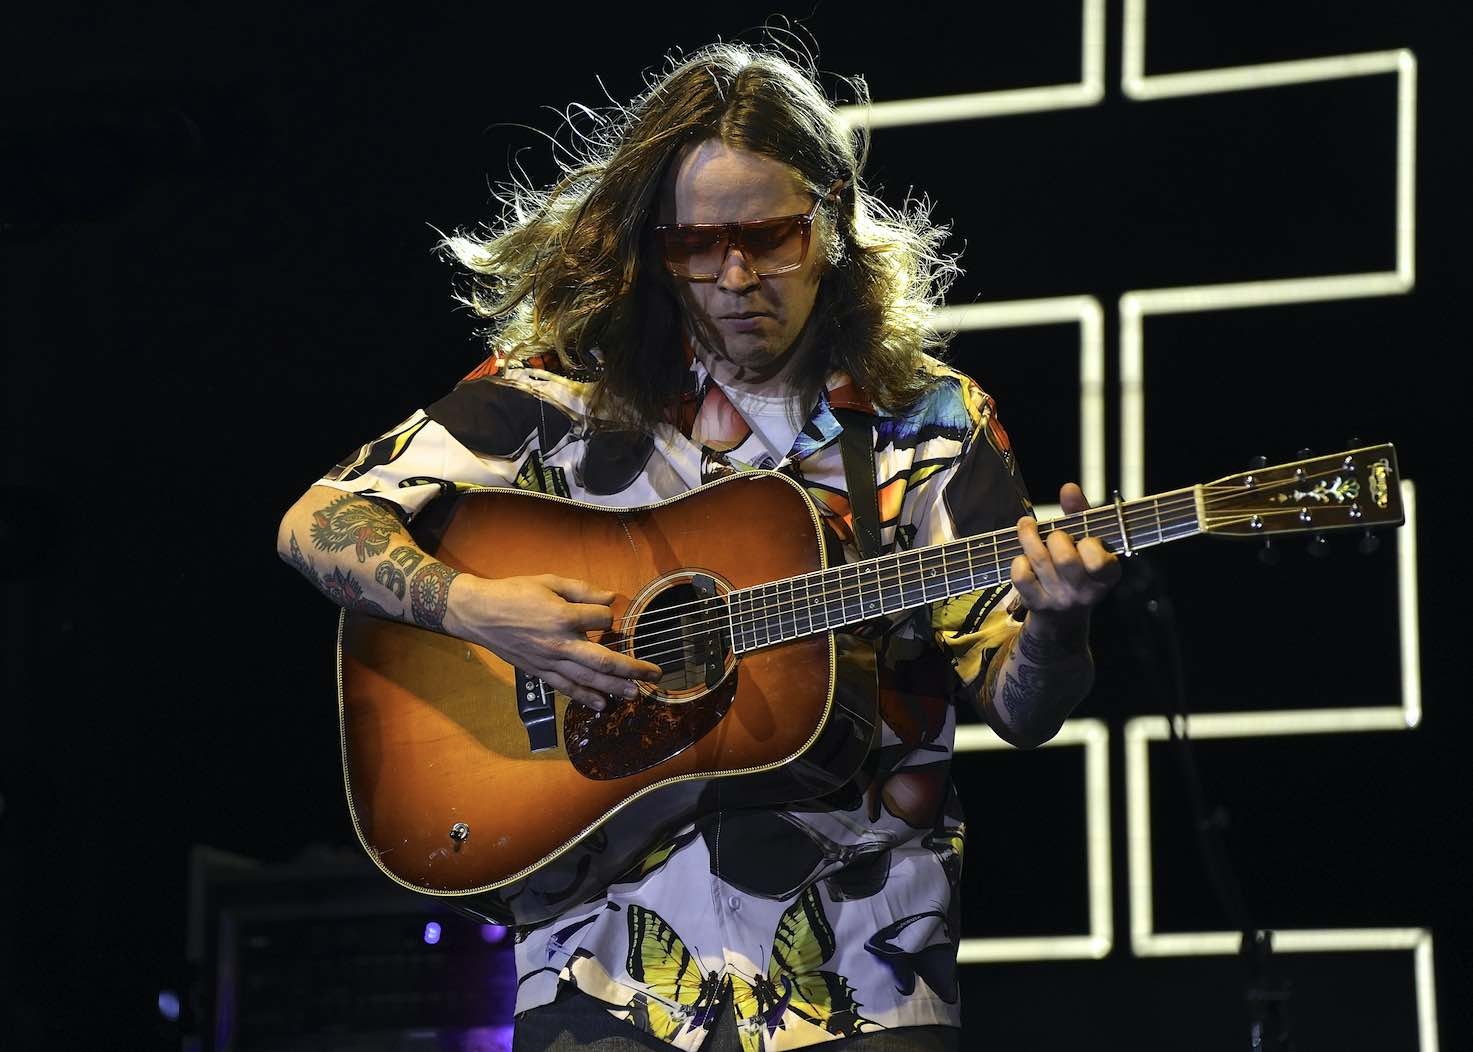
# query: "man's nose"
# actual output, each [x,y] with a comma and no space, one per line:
[737,274]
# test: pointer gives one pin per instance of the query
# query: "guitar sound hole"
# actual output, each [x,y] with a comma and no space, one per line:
[685,634]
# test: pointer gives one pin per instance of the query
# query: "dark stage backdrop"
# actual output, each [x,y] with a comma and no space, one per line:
[216,245]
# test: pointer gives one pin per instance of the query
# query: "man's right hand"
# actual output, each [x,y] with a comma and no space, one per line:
[540,625]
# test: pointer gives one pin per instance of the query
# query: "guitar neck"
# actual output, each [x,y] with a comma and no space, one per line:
[832,599]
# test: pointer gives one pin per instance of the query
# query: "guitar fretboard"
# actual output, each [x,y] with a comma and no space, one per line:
[831,599]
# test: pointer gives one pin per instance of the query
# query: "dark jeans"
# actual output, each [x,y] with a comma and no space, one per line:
[576,1022]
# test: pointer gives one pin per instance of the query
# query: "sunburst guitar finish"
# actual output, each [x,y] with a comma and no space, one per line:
[470,780]
[446,790]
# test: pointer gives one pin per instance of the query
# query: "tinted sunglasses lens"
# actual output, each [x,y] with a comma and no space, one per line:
[774,244]
[694,253]
[769,245]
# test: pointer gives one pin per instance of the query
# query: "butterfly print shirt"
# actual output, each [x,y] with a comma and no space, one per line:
[813,921]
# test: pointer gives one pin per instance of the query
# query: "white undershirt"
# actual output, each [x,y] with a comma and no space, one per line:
[770,417]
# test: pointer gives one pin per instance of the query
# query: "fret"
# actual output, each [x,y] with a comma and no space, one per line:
[945,573]
[915,579]
[802,608]
[820,606]
[787,615]
[839,599]
[1160,537]
[753,628]
[1117,513]
[941,574]
[1113,529]
[871,603]
[895,587]
[731,625]
[738,624]
[883,580]
[905,582]
[770,614]
[933,576]
[853,594]
[744,612]
[899,588]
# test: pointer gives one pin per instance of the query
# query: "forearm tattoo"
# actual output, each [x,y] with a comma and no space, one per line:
[1041,681]
[341,588]
[1047,651]
[350,521]
[429,592]
[406,558]
[391,572]
[300,561]
[344,589]
[391,577]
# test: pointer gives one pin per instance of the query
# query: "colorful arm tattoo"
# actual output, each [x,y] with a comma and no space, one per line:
[351,521]
[429,593]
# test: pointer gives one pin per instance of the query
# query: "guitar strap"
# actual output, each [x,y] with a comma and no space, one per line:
[857,443]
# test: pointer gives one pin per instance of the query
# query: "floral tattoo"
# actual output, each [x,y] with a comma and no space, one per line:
[429,592]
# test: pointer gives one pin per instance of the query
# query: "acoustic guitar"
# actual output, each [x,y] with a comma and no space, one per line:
[468,779]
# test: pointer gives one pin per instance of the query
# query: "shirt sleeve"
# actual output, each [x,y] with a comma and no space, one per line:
[980,492]
[477,435]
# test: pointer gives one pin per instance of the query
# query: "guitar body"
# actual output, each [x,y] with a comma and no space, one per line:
[455,792]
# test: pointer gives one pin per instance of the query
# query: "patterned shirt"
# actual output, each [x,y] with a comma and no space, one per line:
[815,921]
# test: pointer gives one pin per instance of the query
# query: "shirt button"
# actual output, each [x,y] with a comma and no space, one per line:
[735,903]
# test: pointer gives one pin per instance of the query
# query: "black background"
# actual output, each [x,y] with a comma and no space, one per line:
[216,246]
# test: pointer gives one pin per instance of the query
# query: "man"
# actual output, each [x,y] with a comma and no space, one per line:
[714,291]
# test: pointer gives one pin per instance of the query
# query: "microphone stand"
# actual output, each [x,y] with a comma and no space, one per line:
[1151,627]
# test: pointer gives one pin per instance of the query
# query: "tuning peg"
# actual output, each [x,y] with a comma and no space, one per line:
[1318,546]
[1368,543]
[1353,442]
[1304,454]
[1268,554]
[1258,463]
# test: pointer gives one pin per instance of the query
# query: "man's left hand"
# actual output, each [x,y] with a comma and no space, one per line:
[1061,581]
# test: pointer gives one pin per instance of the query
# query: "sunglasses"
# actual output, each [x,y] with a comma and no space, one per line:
[698,251]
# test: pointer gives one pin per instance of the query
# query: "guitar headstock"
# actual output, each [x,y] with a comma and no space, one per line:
[1354,488]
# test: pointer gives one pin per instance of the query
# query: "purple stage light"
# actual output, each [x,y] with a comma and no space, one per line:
[493,933]
[432,933]
[486,1039]
[169,1005]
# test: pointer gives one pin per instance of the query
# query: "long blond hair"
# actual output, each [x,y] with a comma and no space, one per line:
[572,268]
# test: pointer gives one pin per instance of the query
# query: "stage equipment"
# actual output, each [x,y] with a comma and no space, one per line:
[323,954]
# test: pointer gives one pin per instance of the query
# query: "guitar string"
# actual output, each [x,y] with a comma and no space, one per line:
[907,577]
[787,617]
[1213,494]
[845,589]
[917,575]
[1167,503]
[1062,522]
[794,616]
